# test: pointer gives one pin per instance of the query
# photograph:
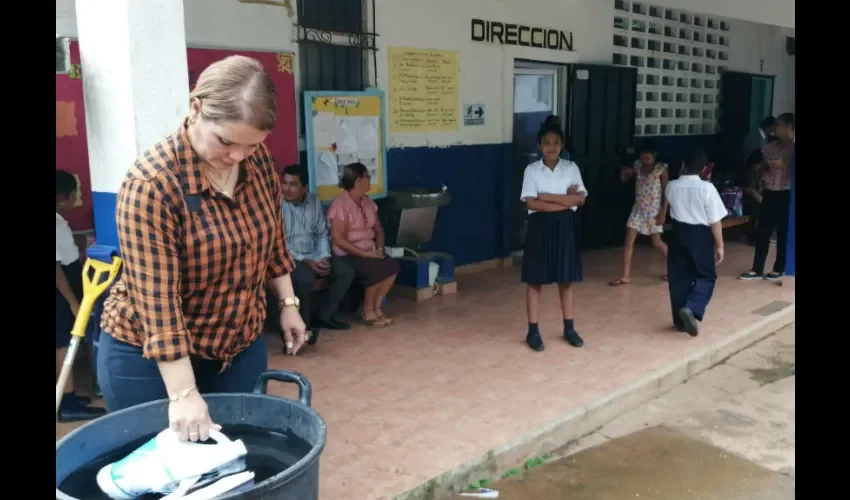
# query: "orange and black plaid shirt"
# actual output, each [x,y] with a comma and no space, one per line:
[195,262]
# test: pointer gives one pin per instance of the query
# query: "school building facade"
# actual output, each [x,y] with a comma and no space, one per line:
[616,71]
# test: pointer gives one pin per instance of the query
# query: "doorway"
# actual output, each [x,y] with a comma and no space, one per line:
[761,104]
[745,100]
[539,91]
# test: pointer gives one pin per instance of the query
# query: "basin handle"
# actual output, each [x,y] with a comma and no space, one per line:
[305,390]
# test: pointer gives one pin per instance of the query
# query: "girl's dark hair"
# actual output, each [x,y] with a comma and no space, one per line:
[551,125]
[66,184]
[648,147]
[351,173]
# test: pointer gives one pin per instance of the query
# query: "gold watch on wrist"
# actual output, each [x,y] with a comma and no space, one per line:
[290,302]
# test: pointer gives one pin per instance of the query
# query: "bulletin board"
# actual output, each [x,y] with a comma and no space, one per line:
[72,149]
[343,128]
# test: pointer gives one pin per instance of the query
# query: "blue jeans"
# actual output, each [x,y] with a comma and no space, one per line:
[127,379]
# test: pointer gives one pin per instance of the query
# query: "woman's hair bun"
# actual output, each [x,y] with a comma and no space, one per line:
[551,125]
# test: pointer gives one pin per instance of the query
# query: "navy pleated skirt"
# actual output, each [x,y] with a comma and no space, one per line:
[552,252]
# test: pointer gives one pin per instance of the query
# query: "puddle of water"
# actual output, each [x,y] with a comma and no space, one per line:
[776,373]
[657,463]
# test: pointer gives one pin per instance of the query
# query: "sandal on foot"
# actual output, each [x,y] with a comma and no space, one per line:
[375,321]
[619,282]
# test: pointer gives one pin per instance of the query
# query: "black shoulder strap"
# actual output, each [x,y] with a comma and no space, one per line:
[193,202]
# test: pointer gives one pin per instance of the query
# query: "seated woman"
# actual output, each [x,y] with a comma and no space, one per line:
[358,237]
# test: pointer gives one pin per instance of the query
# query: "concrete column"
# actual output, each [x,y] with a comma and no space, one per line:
[136,87]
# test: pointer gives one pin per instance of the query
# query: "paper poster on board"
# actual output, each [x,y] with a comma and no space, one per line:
[343,128]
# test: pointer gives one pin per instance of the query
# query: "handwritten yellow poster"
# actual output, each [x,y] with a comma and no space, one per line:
[423,90]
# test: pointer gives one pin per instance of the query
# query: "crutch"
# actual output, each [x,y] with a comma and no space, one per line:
[105,262]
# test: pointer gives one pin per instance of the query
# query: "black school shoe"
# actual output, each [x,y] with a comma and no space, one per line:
[572,338]
[72,410]
[750,276]
[774,276]
[313,336]
[689,321]
[534,341]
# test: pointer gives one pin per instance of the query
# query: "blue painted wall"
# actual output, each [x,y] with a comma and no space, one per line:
[106,230]
[791,246]
[474,226]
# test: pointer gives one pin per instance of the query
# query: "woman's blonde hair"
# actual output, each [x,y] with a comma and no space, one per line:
[237,89]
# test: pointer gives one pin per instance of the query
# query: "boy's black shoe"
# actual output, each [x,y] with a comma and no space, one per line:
[572,338]
[689,321]
[534,341]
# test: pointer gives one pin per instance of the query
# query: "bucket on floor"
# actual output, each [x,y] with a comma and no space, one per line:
[275,430]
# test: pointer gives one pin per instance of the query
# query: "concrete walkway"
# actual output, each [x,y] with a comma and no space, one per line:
[450,393]
[726,434]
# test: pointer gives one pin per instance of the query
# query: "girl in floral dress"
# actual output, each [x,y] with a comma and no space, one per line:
[649,210]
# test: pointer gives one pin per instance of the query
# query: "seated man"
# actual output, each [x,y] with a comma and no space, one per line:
[309,243]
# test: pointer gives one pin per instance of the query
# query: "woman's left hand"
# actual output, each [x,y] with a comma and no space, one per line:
[293,328]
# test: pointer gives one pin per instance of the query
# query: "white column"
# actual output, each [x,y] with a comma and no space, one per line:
[136,87]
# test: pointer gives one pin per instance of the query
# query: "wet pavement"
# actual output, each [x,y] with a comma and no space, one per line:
[658,463]
[727,434]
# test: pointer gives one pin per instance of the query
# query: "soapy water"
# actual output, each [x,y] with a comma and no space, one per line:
[269,453]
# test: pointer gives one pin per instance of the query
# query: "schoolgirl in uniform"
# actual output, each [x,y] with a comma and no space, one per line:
[552,190]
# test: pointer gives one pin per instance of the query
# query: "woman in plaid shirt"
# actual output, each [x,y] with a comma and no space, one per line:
[201,235]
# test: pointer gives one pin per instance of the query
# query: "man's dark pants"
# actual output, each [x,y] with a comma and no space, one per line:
[303,280]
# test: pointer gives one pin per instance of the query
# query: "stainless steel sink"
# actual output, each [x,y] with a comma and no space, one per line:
[415,211]
[418,197]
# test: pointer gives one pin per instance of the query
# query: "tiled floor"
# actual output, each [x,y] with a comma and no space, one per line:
[453,378]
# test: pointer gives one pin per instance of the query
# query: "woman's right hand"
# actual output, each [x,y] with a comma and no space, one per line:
[190,418]
[373,254]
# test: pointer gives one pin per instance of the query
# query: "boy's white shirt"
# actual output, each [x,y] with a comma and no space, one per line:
[66,250]
[694,201]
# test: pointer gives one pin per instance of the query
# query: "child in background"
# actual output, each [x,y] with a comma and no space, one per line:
[69,293]
[649,210]
[552,189]
[696,244]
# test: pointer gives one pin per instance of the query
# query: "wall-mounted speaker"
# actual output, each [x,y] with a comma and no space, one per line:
[790,45]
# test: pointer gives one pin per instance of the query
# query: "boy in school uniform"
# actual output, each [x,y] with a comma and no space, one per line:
[69,293]
[696,245]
